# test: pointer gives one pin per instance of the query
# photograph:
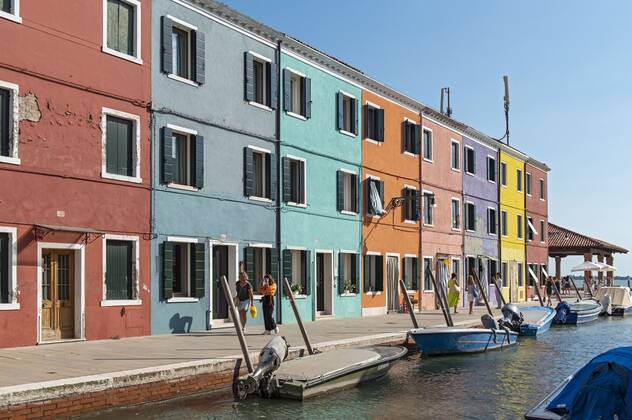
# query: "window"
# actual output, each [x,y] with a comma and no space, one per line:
[8,269]
[183,51]
[183,157]
[492,221]
[470,217]
[373,273]
[296,265]
[348,115]
[293,180]
[374,197]
[542,191]
[491,169]
[428,284]
[374,122]
[427,139]
[10,9]
[530,229]
[470,160]
[121,135]
[492,269]
[519,224]
[347,273]
[8,127]
[503,174]
[456,155]
[347,191]
[428,203]
[542,235]
[503,219]
[261,80]
[411,273]
[122,28]
[456,214]
[520,275]
[121,265]
[519,180]
[260,175]
[412,137]
[411,204]
[505,275]
[259,261]
[183,270]
[297,94]
[527,182]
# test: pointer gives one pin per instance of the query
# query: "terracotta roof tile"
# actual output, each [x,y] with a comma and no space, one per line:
[560,237]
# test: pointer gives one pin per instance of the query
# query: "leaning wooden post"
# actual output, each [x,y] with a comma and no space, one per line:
[537,291]
[557,292]
[499,291]
[443,303]
[579,296]
[237,322]
[408,303]
[589,283]
[480,287]
[297,315]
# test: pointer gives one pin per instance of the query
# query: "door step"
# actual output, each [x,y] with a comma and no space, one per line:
[323,315]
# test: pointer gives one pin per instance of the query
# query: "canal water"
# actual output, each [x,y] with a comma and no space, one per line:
[500,384]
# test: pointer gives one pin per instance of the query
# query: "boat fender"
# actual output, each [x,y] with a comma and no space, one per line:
[562,311]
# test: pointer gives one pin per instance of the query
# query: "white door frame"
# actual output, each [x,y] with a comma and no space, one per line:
[80,283]
[399,271]
[211,244]
[331,302]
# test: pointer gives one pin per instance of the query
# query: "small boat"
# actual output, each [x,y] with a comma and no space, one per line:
[601,389]
[571,313]
[617,300]
[450,340]
[536,320]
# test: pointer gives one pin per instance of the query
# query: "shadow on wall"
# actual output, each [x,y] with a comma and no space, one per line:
[180,324]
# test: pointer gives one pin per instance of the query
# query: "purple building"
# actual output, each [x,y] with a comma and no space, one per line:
[481,227]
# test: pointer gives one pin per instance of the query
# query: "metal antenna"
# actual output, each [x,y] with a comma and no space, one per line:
[446,92]
[506,81]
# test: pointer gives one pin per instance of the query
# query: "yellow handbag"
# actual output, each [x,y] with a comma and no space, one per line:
[253,311]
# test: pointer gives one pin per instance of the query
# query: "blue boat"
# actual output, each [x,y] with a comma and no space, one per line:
[450,340]
[577,312]
[536,320]
[602,389]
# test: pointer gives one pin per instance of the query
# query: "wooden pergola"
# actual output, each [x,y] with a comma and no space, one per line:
[564,242]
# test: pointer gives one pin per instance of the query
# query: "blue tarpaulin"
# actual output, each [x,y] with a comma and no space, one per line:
[601,389]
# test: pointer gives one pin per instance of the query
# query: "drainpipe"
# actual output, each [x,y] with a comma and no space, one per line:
[499,266]
[279,314]
[526,235]
[421,219]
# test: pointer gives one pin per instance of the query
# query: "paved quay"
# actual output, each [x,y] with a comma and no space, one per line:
[68,372]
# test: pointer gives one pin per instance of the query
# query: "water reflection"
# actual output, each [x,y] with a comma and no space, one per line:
[501,384]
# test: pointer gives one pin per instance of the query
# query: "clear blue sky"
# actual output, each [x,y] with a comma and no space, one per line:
[570,69]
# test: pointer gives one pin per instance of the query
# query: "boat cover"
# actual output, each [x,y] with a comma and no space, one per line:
[619,296]
[327,363]
[601,389]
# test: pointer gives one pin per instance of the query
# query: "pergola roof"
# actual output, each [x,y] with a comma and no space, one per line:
[564,242]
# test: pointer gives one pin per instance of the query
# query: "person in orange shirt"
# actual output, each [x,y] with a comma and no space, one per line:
[268,290]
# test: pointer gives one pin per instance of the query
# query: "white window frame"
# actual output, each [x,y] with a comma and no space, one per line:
[409,221]
[489,210]
[374,292]
[458,151]
[300,159]
[13,305]
[458,277]
[15,16]
[291,113]
[263,60]
[519,185]
[528,175]
[423,144]
[350,173]
[519,226]
[490,158]
[465,160]
[138,29]
[423,272]
[341,254]
[504,216]
[542,190]
[347,95]
[260,150]
[14,123]
[458,201]
[465,218]
[184,299]
[423,210]
[187,27]
[374,178]
[367,138]
[136,281]
[406,152]
[187,132]
[503,182]
[105,112]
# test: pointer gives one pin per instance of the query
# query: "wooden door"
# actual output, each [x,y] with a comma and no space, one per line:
[58,295]
[513,281]
[392,269]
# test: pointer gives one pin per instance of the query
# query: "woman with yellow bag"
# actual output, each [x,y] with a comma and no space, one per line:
[268,290]
[245,298]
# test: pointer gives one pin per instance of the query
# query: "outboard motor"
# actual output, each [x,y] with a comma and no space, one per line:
[562,310]
[270,359]
[512,317]
[606,305]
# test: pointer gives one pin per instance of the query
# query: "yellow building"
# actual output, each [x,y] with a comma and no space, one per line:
[513,224]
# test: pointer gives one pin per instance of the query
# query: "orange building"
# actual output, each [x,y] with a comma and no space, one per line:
[391,209]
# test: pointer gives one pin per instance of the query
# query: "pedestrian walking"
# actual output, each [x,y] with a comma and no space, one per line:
[499,282]
[454,292]
[549,291]
[472,292]
[268,290]
[245,298]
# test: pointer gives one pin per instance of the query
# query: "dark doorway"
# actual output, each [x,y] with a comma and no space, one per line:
[220,268]
[320,282]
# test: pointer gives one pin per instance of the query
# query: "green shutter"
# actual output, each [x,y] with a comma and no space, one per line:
[273,82]
[307,106]
[340,108]
[287,90]
[167,270]
[380,125]
[198,161]
[249,76]
[307,271]
[367,273]
[272,176]
[4,267]
[357,193]
[167,52]
[367,190]
[121,19]
[415,285]
[118,270]
[380,188]
[249,172]
[340,195]
[199,51]
[5,6]
[287,269]
[198,264]
[379,269]
[355,115]
[168,159]
[5,114]
[272,262]
[287,180]
[355,270]
[341,273]
[249,259]
[119,146]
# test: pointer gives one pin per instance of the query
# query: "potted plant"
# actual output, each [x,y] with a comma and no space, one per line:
[349,286]
[296,289]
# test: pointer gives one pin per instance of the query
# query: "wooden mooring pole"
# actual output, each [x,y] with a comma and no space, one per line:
[499,291]
[297,315]
[237,322]
[408,303]
[480,287]
[579,296]
[537,291]
[442,300]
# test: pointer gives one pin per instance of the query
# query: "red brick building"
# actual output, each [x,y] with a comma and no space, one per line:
[74,170]
[536,208]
